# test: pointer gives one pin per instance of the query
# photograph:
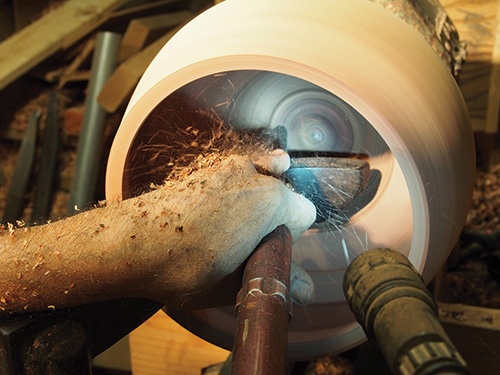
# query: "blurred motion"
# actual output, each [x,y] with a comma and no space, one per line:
[338,161]
[371,116]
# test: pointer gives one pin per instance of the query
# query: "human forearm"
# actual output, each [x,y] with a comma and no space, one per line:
[173,244]
[84,258]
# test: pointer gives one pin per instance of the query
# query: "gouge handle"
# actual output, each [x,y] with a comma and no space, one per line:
[263,306]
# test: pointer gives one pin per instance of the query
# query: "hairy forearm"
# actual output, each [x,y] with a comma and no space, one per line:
[162,245]
[95,255]
[173,244]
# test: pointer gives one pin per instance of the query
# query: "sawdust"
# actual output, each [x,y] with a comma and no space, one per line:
[18,102]
[223,143]
[8,155]
[167,145]
[332,365]
[485,211]
[206,162]
[476,281]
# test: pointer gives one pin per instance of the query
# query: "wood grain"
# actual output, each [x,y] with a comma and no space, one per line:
[161,346]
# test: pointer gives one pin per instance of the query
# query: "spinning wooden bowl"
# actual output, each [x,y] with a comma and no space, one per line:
[345,77]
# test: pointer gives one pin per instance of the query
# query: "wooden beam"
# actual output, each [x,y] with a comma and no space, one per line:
[122,82]
[470,316]
[56,30]
[142,31]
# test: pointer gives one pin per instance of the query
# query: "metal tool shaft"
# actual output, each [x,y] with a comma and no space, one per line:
[22,171]
[48,163]
[88,155]
[264,307]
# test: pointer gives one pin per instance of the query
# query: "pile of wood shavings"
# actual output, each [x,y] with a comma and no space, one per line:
[485,210]
[472,283]
[204,152]
[332,365]
[208,162]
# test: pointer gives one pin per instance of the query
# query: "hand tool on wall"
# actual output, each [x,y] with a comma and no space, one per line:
[90,143]
[48,163]
[22,171]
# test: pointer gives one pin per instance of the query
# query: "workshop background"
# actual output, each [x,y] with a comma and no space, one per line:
[43,89]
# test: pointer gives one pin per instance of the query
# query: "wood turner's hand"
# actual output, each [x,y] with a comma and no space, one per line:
[181,243]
